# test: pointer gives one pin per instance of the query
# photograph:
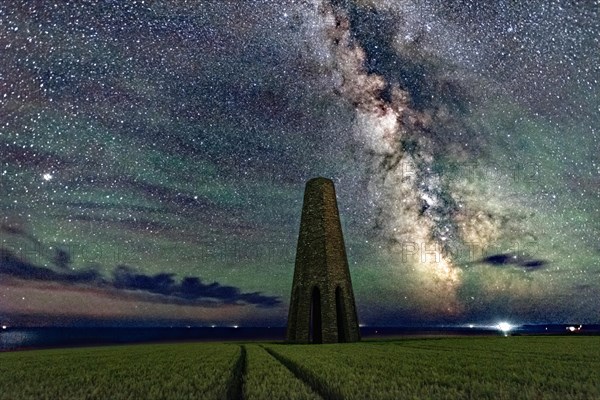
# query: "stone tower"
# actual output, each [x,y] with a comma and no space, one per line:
[322,308]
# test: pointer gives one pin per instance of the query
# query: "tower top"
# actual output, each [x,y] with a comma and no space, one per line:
[319,180]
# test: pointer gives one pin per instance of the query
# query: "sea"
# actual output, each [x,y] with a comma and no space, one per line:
[15,338]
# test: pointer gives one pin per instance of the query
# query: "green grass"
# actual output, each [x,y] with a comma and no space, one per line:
[468,368]
[181,371]
[448,368]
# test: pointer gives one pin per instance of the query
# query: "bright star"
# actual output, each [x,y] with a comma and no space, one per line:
[47,176]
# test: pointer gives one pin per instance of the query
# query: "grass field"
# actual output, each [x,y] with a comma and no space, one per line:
[449,368]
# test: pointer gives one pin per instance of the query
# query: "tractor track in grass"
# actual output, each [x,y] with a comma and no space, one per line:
[235,389]
[267,377]
[316,383]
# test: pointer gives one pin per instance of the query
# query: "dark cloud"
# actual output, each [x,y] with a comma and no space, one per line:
[520,260]
[17,227]
[62,258]
[59,256]
[125,278]
[534,264]
[498,259]
[191,290]
[12,265]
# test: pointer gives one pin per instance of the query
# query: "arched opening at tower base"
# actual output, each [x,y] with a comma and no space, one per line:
[340,315]
[315,316]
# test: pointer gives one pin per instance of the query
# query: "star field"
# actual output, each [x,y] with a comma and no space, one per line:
[154,155]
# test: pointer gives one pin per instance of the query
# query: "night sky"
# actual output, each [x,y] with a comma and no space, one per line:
[154,156]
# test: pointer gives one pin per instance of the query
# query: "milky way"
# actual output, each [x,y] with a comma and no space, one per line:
[437,223]
[154,156]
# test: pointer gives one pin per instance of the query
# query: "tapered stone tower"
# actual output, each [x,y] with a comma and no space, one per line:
[322,308]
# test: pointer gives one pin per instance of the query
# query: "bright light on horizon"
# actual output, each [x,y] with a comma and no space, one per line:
[4,326]
[504,326]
